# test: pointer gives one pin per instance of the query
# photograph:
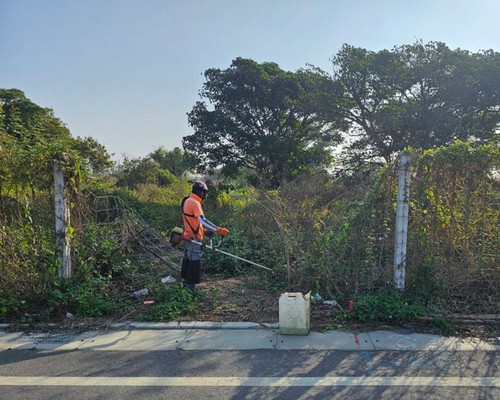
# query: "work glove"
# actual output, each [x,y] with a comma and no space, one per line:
[222,231]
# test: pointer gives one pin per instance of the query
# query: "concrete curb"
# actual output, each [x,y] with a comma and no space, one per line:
[232,336]
[183,325]
[195,325]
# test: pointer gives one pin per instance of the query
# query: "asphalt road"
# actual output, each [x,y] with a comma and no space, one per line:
[200,360]
[248,374]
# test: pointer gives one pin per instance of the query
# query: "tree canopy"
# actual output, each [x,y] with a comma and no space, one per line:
[176,161]
[417,95]
[279,123]
[32,137]
[262,118]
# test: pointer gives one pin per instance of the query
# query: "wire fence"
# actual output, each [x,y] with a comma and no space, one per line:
[339,238]
[317,233]
[117,221]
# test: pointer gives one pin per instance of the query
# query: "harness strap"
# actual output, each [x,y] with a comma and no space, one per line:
[184,215]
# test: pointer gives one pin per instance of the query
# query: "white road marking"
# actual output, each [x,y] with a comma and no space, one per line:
[251,381]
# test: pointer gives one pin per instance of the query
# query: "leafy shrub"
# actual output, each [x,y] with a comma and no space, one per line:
[92,298]
[388,305]
[9,306]
[171,303]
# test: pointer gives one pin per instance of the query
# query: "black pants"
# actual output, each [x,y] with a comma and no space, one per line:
[191,263]
[191,271]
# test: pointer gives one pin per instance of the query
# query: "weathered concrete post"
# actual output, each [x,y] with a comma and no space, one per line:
[62,213]
[402,211]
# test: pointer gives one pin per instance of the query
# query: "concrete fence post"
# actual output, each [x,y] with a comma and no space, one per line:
[62,214]
[402,212]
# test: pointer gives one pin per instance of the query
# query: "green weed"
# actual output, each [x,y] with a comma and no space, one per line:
[172,303]
[92,298]
[444,325]
[387,305]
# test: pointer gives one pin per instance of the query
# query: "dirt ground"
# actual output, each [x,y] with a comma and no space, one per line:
[237,299]
[230,299]
[242,299]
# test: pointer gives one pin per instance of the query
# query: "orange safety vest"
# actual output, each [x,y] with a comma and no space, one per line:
[191,210]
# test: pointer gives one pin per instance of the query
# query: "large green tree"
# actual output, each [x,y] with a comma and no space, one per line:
[262,118]
[176,161]
[94,155]
[31,138]
[419,95]
[32,135]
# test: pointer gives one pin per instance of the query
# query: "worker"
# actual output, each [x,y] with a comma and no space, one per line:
[195,226]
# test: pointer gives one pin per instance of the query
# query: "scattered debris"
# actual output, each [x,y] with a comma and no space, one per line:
[333,303]
[168,279]
[139,293]
[316,297]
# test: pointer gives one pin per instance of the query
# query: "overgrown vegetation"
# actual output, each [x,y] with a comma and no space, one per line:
[171,303]
[323,228]
[387,305]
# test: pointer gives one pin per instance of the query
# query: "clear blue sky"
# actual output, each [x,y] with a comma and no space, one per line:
[126,72]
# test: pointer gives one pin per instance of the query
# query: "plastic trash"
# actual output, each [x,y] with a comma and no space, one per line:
[316,297]
[139,293]
[69,315]
[168,279]
[333,303]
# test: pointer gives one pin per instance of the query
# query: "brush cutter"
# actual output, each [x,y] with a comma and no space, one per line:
[215,247]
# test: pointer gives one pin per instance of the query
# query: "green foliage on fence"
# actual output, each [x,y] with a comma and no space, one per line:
[329,233]
[318,233]
[336,237]
[455,220]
